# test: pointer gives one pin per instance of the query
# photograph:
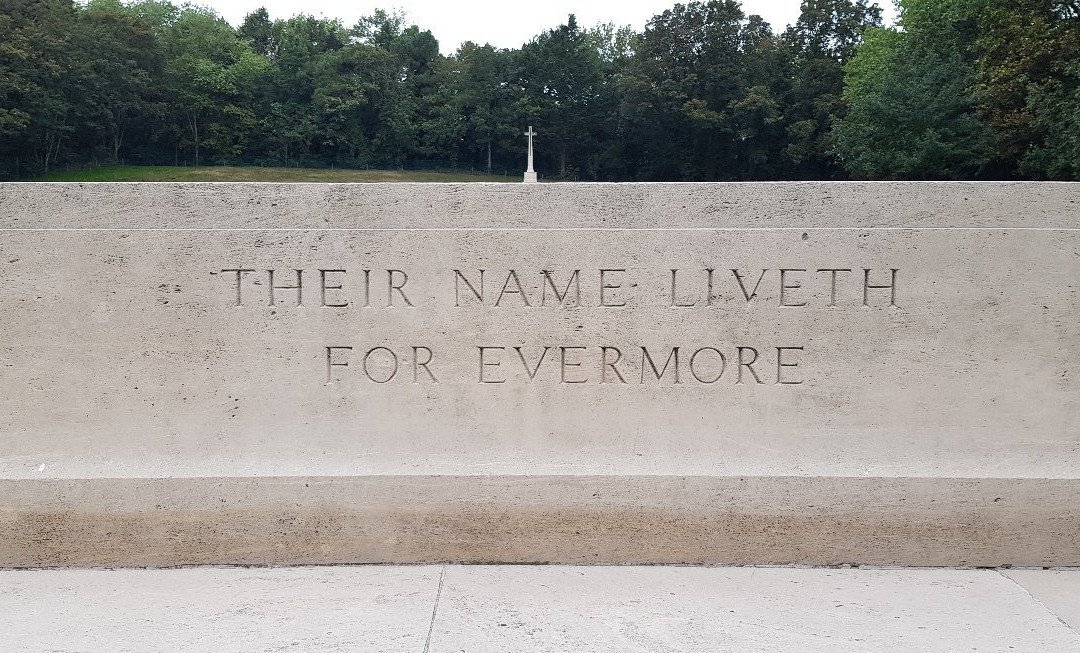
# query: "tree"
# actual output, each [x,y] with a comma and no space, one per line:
[355,103]
[820,42]
[962,89]
[298,53]
[1028,84]
[758,115]
[209,77]
[482,99]
[1055,111]
[560,73]
[263,34]
[39,80]
[117,91]
[910,95]
[682,89]
[832,29]
[426,126]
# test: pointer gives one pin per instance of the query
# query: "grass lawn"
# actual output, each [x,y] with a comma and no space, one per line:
[237,173]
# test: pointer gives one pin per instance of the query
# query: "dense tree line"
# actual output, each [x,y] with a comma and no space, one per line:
[960,89]
[967,89]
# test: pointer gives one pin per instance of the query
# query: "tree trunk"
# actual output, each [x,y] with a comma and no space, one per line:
[195,134]
[562,160]
[489,156]
[117,140]
[52,149]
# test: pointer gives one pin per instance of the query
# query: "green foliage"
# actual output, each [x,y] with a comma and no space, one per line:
[910,116]
[209,77]
[481,103]
[963,89]
[819,43]
[970,88]
[119,97]
[1055,109]
[831,29]
[911,108]
[563,92]
[1028,52]
[256,173]
[39,81]
[679,90]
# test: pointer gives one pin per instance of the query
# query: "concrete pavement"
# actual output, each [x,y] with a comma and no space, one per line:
[539,608]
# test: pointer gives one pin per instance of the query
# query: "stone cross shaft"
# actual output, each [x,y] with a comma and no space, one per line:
[530,174]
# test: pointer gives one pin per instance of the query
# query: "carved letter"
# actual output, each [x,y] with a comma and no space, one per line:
[479,294]
[723,365]
[239,273]
[548,281]
[835,272]
[417,363]
[562,375]
[532,372]
[330,364]
[749,295]
[483,364]
[398,287]
[323,287]
[780,365]
[674,298]
[520,291]
[604,364]
[604,285]
[747,364]
[660,373]
[393,357]
[785,287]
[299,287]
[867,286]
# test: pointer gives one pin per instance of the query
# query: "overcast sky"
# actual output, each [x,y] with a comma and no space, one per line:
[503,23]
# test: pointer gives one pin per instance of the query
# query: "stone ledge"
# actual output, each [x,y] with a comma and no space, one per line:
[540,519]
[789,205]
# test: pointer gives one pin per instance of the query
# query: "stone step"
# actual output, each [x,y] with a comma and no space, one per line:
[539,519]
[434,609]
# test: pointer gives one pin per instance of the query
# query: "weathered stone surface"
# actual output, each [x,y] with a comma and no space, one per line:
[537,518]
[667,610]
[1058,590]
[340,609]
[870,373]
[524,608]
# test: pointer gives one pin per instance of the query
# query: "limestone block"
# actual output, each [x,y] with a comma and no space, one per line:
[815,373]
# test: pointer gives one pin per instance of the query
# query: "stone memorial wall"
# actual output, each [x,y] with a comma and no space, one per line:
[810,373]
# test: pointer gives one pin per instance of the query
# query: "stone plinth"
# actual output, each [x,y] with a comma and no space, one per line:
[811,373]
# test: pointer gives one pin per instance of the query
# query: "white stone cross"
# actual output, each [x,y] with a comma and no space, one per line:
[530,174]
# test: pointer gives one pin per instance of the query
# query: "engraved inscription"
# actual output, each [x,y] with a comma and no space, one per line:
[658,366]
[590,362]
[380,364]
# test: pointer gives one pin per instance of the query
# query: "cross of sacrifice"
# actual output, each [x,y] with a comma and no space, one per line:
[530,174]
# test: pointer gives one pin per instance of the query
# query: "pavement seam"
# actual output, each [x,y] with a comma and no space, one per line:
[1036,600]
[434,610]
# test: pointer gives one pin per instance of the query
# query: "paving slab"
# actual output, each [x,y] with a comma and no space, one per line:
[1057,589]
[217,609]
[433,609]
[652,609]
